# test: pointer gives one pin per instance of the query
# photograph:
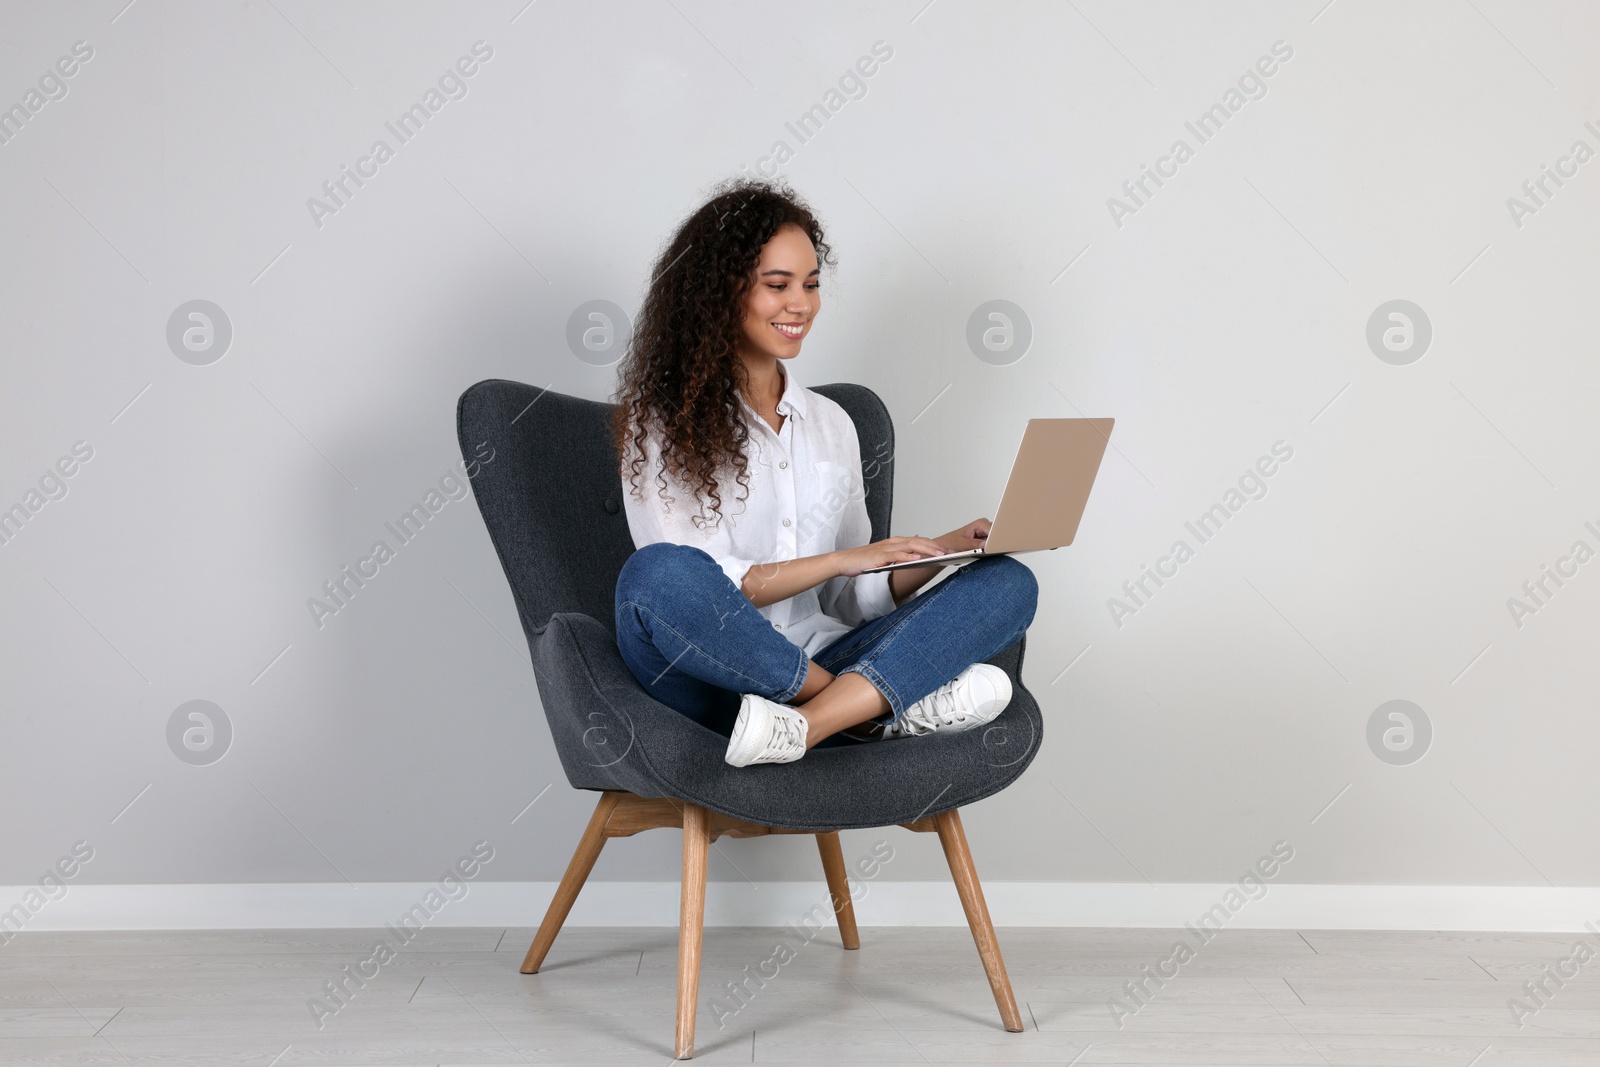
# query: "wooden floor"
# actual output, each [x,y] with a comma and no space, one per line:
[453,996]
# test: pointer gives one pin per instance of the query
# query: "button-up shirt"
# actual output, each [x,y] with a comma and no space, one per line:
[804,498]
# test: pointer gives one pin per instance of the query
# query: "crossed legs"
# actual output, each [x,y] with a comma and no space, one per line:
[696,643]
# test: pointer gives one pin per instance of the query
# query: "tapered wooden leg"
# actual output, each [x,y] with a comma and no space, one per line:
[956,853]
[839,888]
[691,922]
[588,851]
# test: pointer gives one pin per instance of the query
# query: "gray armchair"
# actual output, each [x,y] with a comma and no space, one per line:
[552,502]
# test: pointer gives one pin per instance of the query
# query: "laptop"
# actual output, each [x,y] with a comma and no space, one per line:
[1052,474]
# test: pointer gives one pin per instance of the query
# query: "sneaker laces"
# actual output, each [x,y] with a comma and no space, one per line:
[786,736]
[942,705]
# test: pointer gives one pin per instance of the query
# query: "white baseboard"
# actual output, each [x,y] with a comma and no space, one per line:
[1091,904]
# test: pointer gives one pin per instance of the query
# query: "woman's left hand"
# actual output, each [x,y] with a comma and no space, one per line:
[968,537]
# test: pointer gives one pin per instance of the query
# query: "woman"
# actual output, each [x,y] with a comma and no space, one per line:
[753,615]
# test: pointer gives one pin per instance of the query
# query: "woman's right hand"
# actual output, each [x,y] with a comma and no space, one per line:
[852,561]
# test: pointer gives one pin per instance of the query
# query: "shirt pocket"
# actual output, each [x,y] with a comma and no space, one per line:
[834,490]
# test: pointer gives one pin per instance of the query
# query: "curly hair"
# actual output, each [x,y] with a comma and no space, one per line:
[682,375]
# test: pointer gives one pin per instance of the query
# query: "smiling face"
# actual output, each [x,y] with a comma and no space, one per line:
[784,297]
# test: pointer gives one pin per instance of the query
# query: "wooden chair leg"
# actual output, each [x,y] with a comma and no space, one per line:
[956,853]
[588,851]
[691,922]
[844,908]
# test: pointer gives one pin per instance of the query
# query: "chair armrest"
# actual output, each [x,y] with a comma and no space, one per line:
[600,716]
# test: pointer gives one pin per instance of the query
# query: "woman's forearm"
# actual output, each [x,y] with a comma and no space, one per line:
[907,580]
[768,583]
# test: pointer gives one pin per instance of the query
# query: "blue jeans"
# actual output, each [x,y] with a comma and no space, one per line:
[695,642]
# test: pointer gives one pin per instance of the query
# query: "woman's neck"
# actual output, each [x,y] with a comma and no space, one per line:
[766,380]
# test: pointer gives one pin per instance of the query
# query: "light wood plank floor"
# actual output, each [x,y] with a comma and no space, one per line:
[1270,998]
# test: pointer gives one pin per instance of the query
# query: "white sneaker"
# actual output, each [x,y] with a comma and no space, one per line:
[975,697]
[766,732]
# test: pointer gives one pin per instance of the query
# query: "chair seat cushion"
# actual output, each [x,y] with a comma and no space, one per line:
[625,739]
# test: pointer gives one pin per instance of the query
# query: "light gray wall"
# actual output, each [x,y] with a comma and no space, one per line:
[1227,312]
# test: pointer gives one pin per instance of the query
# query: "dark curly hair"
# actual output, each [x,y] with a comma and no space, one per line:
[682,376]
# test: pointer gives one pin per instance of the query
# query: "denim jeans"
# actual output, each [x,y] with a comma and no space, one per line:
[695,642]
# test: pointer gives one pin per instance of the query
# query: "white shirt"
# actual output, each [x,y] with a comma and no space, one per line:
[804,498]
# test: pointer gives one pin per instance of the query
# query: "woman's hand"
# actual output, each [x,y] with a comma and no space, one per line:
[852,561]
[968,537]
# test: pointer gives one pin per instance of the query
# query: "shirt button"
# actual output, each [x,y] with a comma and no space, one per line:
[782,465]
[786,522]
